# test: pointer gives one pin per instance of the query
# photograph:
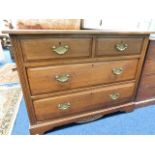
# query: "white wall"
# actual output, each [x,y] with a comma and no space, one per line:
[125,24]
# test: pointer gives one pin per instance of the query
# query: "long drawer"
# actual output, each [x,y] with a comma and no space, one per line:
[117,46]
[44,48]
[66,77]
[61,106]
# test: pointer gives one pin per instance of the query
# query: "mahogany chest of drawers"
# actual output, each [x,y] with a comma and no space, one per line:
[77,76]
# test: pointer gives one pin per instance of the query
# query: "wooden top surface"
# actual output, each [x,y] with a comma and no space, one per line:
[106,31]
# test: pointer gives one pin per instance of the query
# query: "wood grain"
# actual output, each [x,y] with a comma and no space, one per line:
[106,46]
[78,60]
[149,67]
[23,79]
[147,84]
[42,127]
[43,79]
[86,32]
[41,48]
[147,88]
[69,91]
[82,101]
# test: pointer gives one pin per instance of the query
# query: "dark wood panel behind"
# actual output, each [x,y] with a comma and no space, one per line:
[146,88]
[149,67]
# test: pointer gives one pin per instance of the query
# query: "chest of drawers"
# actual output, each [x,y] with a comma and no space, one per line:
[77,76]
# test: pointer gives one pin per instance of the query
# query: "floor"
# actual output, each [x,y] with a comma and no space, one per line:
[138,122]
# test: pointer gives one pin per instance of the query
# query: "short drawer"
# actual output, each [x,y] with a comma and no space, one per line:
[118,46]
[66,77]
[70,104]
[43,48]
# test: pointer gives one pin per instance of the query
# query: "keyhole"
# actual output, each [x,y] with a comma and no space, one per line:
[59,43]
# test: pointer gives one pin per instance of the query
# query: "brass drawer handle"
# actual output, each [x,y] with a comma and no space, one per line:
[121,47]
[62,78]
[114,96]
[117,71]
[64,106]
[61,49]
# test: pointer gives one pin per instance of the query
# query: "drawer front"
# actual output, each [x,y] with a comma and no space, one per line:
[55,48]
[66,77]
[61,106]
[118,46]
